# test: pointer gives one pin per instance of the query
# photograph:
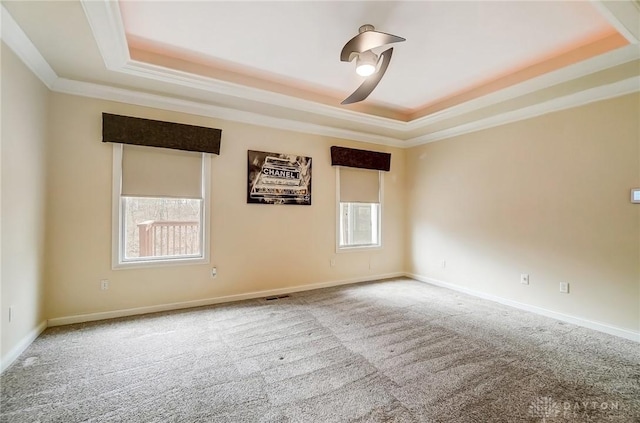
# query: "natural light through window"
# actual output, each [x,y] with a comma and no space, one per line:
[161,228]
[160,206]
[359,193]
[359,225]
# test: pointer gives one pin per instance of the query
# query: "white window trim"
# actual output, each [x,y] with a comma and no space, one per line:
[359,248]
[117,240]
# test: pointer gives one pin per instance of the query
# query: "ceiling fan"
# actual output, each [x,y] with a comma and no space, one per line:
[368,63]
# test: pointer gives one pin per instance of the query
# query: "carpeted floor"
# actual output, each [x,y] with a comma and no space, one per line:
[391,351]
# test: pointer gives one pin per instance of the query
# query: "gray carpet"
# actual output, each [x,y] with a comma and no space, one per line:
[391,351]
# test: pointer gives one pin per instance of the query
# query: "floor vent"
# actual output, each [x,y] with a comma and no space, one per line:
[276,297]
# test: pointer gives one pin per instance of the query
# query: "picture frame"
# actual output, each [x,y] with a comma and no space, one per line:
[277,178]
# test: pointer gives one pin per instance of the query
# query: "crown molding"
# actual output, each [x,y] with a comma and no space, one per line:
[21,45]
[603,92]
[596,64]
[203,83]
[103,92]
[107,26]
[139,98]
[108,29]
[624,16]
[586,67]
[105,21]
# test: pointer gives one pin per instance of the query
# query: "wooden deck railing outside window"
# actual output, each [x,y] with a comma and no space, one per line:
[168,238]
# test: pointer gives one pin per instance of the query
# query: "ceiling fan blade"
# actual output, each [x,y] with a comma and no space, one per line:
[366,41]
[371,82]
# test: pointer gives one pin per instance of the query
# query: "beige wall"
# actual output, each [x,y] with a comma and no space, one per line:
[548,196]
[255,247]
[24,121]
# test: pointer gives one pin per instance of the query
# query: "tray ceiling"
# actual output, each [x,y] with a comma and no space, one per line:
[471,63]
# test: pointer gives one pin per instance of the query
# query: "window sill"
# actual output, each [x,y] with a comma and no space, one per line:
[141,264]
[358,248]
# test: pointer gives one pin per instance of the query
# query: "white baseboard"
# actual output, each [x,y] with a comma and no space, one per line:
[24,343]
[80,318]
[15,352]
[601,327]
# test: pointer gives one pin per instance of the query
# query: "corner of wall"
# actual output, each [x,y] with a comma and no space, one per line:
[23,205]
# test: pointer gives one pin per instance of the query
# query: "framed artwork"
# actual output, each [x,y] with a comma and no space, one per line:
[274,178]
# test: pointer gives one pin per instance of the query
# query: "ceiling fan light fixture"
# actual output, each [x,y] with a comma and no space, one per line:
[365,69]
[370,65]
[366,63]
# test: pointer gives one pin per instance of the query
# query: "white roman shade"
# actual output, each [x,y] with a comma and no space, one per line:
[159,172]
[359,185]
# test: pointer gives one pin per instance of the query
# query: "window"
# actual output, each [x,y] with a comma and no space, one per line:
[359,211]
[160,201]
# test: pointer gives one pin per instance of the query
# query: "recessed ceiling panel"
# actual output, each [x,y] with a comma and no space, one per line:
[451,47]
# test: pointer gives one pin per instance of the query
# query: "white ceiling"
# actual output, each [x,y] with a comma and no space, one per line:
[465,65]
[450,45]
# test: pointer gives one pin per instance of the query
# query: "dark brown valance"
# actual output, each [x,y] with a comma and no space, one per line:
[362,159]
[155,133]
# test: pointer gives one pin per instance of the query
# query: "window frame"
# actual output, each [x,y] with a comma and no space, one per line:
[117,220]
[359,248]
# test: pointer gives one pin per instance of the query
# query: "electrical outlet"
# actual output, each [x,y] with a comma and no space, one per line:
[214,272]
[564,287]
[524,279]
[104,284]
